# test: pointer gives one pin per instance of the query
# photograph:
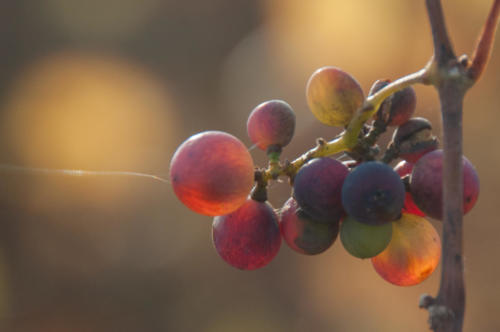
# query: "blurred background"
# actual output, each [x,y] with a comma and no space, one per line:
[119,84]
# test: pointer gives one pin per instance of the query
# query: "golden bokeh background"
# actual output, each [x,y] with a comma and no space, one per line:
[118,85]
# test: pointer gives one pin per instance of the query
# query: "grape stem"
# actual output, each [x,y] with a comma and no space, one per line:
[364,150]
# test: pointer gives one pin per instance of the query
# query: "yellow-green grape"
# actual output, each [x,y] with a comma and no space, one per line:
[333,96]
[362,240]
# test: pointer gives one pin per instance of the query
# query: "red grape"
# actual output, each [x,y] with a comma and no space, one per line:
[271,123]
[249,237]
[317,188]
[400,105]
[212,173]
[404,168]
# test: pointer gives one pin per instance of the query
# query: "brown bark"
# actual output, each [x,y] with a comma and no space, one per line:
[452,77]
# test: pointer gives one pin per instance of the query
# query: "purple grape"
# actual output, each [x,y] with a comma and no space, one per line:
[397,108]
[317,188]
[302,233]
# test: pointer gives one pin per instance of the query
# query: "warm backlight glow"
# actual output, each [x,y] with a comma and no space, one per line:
[93,112]
[333,96]
[212,173]
[413,253]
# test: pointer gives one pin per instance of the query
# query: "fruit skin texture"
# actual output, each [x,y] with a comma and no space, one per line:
[248,238]
[363,240]
[317,189]
[426,184]
[333,96]
[404,168]
[413,253]
[212,173]
[373,193]
[414,139]
[302,233]
[271,123]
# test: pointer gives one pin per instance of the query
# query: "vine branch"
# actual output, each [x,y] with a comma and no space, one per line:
[443,49]
[484,44]
[452,78]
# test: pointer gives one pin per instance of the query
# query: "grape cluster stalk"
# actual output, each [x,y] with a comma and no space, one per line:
[380,211]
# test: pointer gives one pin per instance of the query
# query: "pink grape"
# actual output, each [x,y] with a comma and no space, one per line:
[271,123]
[212,173]
[426,184]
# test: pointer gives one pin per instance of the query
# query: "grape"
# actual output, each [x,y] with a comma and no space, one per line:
[426,184]
[414,139]
[404,168]
[248,238]
[397,108]
[212,173]
[271,123]
[302,233]
[362,240]
[373,193]
[317,188]
[333,96]
[413,253]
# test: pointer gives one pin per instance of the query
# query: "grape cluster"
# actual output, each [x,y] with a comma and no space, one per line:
[378,210]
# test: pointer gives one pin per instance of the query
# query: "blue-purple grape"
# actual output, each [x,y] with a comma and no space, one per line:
[373,193]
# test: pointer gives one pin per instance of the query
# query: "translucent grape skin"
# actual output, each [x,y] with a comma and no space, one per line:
[363,240]
[404,168]
[373,193]
[426,184]
[317,189]
[302,233]
[271,123]
[333,96]
[402,103]
[248,238]
[212,173]
[413,253]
